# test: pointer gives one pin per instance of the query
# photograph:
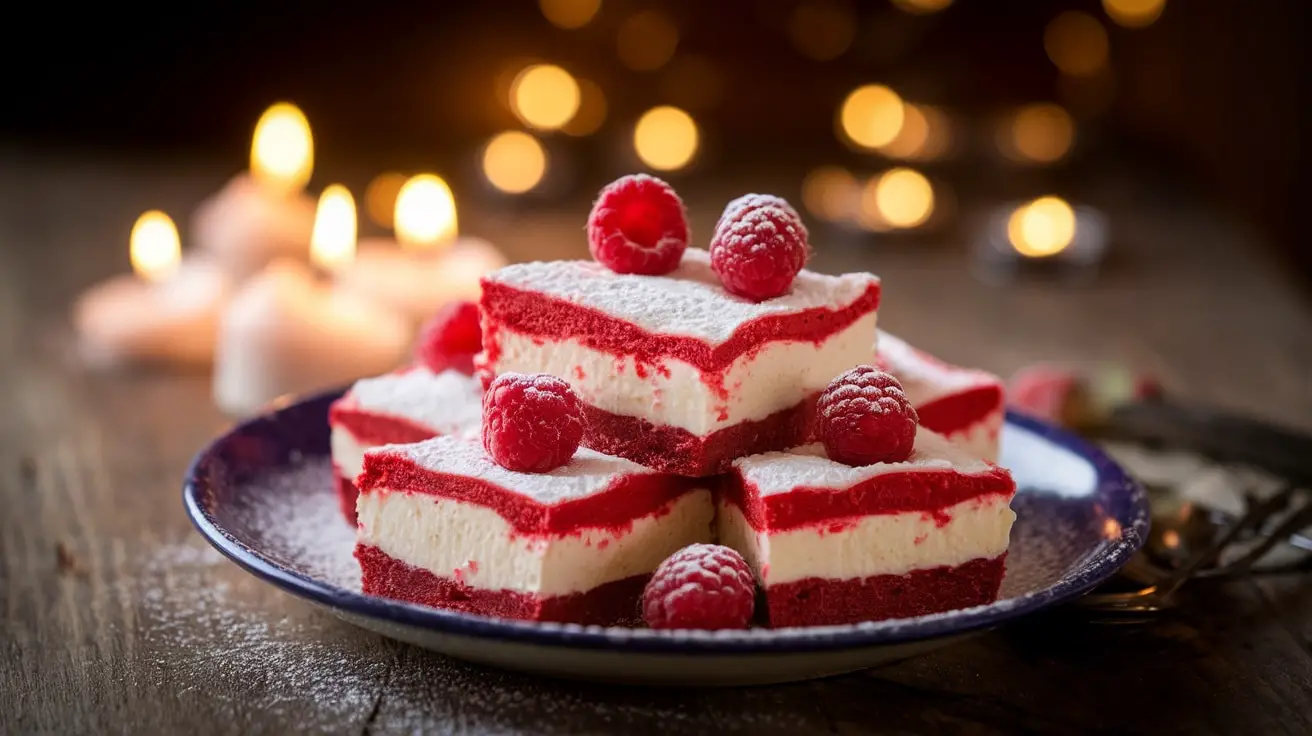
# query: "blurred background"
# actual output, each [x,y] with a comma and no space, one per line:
[969,103]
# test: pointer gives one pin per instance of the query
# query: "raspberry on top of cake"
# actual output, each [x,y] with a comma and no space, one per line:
[674,371]
[443,524]
[409,405]
[966,405]
[832,543]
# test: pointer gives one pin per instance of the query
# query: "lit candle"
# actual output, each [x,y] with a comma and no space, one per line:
[427,266]
[165,312]
[290,330]
[263,214]
[1046,232]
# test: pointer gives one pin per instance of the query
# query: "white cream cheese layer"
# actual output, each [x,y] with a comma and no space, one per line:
[981,438]
[347,452]
[475,545]
[671,392]
[885,544]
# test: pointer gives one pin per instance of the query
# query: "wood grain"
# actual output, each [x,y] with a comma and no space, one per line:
[116,618]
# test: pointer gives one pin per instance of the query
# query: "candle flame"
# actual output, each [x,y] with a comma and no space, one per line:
[332,242]
[154,246]
[282,150]
[1044,227]
[425,213]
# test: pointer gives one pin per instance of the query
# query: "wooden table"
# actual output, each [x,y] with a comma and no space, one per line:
[116,617]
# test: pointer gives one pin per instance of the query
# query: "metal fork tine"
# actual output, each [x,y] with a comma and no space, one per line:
[1294,522]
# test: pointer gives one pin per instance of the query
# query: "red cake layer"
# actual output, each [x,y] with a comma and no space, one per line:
[347,494]
[628,497]
[925,489]
[375,429]
[956,412]
[820,601]
[678,451]
[611,604]
[540,315]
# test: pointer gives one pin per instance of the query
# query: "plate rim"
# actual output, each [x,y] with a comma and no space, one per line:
[1109,476]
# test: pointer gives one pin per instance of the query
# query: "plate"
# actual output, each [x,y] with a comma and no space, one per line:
[262,494]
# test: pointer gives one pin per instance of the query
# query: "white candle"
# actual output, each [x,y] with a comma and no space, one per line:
[427,266]
[264,214]
[166,312]
[289,331]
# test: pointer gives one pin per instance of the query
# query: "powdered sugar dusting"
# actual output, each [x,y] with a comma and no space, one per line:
[808,466]
[688,302]
[587,474]
[446,402]
[924,378]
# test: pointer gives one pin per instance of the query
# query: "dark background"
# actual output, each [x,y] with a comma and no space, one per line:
[1208,99]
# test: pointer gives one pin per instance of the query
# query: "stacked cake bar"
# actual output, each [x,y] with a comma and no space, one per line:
[672,433]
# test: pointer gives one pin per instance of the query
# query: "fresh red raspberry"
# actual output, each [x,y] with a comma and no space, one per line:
[758,254]
[531,423]
[451,339]
[638,225]
[702,586]
[864,418]
[748,202]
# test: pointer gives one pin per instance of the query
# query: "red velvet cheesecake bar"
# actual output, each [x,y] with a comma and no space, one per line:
[833,543]
[442,525]
[963,404]
[675,372]
[406,406]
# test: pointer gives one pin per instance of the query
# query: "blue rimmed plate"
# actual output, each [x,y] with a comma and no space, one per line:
[262,494]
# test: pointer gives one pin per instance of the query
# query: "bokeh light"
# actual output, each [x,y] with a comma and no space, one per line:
[514,162]
[380,197]
[425,216]
[332,241]
[1134,13]
[544,96]
[154,246]
[903,197]
[569,14]
[871,116]
[1076,43]
[922,7]
[282,149]
[822,29]
[1041,228]
[831,193]
[665,138]
[592,110]
[647,41]
[1042,133]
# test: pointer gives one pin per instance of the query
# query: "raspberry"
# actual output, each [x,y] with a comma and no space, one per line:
[531,423]
[638,225]
[451,339]
[864,418]
[748,202]
[758,253]
[702,586]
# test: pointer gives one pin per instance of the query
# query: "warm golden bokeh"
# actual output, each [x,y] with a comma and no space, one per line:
[1042,133]
[333,240]
[514,162]
[380,197]
[871,116]
[154,246]
[922,7]
[1134,13]
[1041,228]
[647,41]
[592,110]
[822,29]
[665,138]
[569,14]
[831,193]
[1076,43]
[425,213]
[903,197]
[282,149]
[544,96]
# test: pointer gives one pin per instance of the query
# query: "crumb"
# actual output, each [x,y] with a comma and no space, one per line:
[66,562]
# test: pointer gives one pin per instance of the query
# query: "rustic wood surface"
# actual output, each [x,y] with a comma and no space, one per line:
[116,618]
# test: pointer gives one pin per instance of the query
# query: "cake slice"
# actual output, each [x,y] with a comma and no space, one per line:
[833,544]
[442,525]
[406,406]
[675,372]
[963,404]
